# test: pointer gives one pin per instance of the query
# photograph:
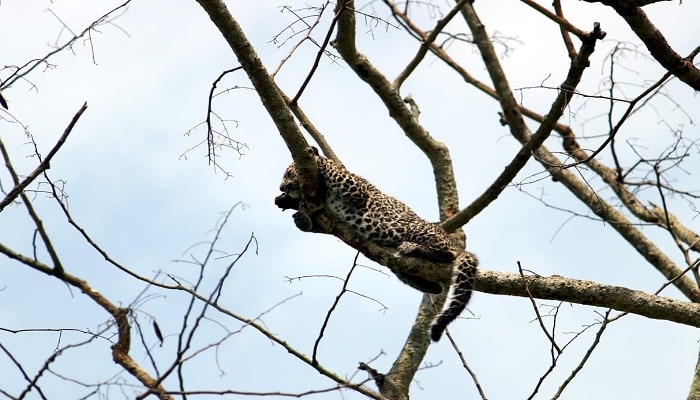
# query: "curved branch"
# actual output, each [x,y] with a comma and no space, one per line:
[437,152]
[120,350]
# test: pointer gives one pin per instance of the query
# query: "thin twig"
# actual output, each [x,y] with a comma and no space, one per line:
[29,66]
[319,54]
[211,148]
[586,357]
[314,359]
[426,44]
[470,371]
[565,25]
[43,166]
[537,311]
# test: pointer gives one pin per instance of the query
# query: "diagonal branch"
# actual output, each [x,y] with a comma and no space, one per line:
[564,32]
[319,54]
[563,23]
[513,115]
[269,93]
[655,41]
[427,43]
[43,166]
[120,350]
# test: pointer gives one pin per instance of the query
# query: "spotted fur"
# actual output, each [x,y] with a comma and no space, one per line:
[387,222]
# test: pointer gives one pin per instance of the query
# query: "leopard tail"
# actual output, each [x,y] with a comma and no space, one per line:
[463,279]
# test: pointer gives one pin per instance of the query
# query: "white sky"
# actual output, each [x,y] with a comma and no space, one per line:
[132,191]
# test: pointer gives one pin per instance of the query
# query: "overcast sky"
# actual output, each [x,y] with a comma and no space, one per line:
[139,182]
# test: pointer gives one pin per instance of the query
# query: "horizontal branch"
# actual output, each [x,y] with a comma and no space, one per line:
[592,294]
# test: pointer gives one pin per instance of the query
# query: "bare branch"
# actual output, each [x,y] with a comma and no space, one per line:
[120,350]
[319,54]
[24,70]
[694,393]
[579,367]
[426,43]
[469,370]
[564,32]
[43,166]
[550,336]
[332,308]
[565,25]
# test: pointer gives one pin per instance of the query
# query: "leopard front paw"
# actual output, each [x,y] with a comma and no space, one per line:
[303,222]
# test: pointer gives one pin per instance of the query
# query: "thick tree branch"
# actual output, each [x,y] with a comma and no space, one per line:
[592,294]
[494,282]
[694,393]
[548,288]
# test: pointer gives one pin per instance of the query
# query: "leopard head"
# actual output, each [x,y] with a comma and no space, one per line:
[290,182]
[291,193]
[290,188]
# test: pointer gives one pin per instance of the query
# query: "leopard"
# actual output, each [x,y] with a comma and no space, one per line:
[389,223]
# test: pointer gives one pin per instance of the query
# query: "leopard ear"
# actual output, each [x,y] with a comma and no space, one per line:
[314,150]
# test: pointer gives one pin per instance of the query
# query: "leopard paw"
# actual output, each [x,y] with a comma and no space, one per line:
[303,222]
